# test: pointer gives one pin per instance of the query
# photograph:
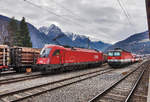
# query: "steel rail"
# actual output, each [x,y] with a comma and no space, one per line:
[113,85]
[2,74]
[23,78]
[134,87]
[18,79]
[51,83]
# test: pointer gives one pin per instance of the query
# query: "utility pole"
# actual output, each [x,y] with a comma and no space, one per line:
[88,43]
[148,14]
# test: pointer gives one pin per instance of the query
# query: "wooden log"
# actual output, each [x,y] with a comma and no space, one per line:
[29,50]
[27,55]
[32,50]
[4,54]
[27,61]
[4,46]
[1,53]
[1,60]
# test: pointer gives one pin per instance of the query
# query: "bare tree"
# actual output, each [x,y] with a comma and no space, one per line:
[3,35]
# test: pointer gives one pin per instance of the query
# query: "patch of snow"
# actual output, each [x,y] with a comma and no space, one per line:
[144,40]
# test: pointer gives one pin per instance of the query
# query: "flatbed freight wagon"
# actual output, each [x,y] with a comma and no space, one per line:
[23,57]
[4,58]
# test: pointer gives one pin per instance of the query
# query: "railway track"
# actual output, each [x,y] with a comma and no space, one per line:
[140,93]
[121,90]
[7,73]
[39,89]
[23,78]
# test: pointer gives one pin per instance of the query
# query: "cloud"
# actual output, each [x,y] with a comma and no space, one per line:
[100,19]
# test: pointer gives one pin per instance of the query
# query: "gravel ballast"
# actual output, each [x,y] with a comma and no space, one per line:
[83,91]
[39,81]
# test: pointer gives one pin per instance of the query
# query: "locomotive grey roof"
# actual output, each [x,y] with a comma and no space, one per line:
[118,49]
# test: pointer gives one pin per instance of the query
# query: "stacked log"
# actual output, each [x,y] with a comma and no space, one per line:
[4,55]
[22,56]
[29,55]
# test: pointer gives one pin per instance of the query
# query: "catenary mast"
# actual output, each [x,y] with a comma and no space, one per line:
[148,14]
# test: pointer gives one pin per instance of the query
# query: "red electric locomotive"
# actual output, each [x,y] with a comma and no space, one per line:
[119,57]
[56,57]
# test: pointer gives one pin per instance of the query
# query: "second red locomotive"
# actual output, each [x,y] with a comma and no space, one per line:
[56,57]
[119,57]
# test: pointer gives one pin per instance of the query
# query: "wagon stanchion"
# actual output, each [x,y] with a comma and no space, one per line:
[22,58]
[4,55]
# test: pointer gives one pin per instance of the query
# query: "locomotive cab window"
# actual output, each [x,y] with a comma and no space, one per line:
[45,52]
[110,54]
[56,53]
[117,54]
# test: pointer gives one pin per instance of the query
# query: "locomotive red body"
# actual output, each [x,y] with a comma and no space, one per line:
[55,57]
[119,57]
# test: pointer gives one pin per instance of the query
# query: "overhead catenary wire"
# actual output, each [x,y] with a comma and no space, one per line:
[53,13]
[77,17]
[126,14]
[70,20]
[68,10]
[123,3]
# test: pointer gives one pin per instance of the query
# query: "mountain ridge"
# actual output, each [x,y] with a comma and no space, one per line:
[138,43]
[45,35]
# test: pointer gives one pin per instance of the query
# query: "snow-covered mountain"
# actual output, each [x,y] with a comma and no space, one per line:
[47,30]
[45,35]
[72,39]
[137,43]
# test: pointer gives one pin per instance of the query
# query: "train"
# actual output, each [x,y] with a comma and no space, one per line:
[61,57]
[17,58]
[54,57]
[119,58]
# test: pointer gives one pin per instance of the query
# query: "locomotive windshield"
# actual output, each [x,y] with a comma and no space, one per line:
[110,54]
[45,52]
[114,53]
[117,54]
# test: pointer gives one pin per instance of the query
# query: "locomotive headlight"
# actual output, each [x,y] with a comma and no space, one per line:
[41,61]
[122,60]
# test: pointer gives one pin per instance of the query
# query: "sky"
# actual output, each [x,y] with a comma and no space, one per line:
[102,20]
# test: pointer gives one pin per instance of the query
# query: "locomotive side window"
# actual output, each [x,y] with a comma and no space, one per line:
[117,54]
[56,53]
[45,52]
[110,54]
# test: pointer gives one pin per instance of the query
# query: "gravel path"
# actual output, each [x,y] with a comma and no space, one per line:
[83,91]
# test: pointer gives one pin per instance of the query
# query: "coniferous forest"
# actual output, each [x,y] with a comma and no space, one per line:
[18,33]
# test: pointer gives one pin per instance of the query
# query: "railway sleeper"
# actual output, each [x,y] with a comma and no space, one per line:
[119,92]
[111,98]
